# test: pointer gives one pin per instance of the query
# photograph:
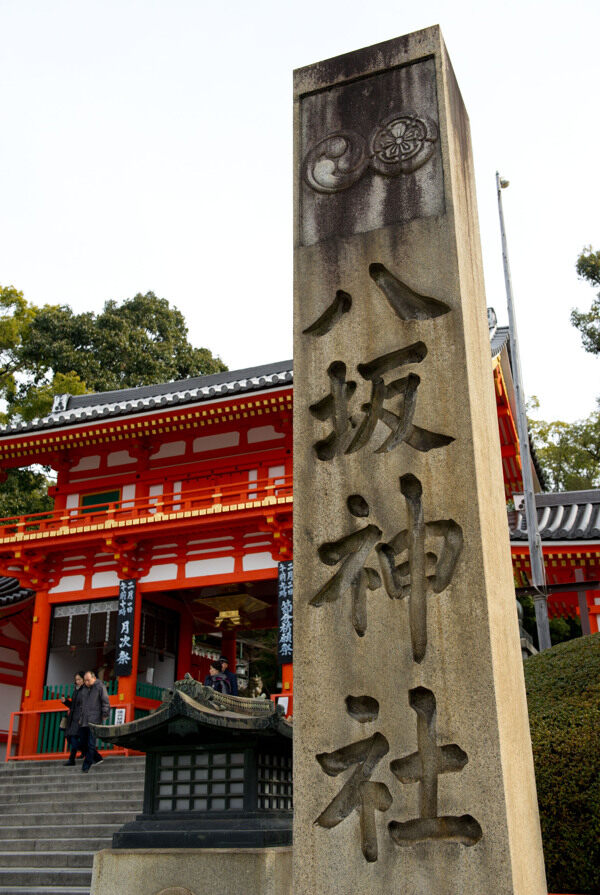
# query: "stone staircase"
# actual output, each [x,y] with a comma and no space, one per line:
[53,819]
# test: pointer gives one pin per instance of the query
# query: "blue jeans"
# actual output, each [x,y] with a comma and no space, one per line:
[88,747]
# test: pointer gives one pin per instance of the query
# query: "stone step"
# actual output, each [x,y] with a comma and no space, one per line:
[51,794]
[43,846]
[77,780]
[8,766]
[26,877]
[45,890]
[47,858]
[67,818]
[85,802]
[101,829]
[24,775]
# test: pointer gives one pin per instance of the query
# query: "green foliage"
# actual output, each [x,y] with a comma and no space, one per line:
[35,401]
[51,350]
[16,316]
[588,323]
[140,342]
[569,453]
[561,629]
[24,491]
[563,695]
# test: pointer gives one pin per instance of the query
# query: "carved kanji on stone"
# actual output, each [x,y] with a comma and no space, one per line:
[359,793]
[351,551]
[423,573]
[398,416]
[424,767]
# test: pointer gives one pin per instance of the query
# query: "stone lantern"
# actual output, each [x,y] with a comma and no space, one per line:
[218,772]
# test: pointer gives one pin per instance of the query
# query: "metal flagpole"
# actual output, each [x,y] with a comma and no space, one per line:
[538,572]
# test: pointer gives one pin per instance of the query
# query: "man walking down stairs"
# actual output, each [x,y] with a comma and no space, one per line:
[53,820]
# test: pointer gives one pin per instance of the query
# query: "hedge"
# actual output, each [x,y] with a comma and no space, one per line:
[563,695]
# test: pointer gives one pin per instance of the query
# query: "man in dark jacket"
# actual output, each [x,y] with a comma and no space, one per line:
[231,677]
[93,708]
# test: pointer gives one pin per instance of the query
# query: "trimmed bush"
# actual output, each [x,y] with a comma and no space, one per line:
[563,695]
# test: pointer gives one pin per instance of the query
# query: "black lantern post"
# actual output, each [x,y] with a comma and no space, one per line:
[218,772]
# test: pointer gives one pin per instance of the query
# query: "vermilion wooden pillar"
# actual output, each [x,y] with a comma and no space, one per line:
[184,650]
[287,685]
[228,648]
[127,685]
[36,670]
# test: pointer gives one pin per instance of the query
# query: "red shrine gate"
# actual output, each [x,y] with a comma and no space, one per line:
[186,489]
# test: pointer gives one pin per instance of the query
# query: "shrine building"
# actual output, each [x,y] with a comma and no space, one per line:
[183,491]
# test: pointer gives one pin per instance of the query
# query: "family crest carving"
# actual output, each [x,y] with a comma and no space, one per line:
[400,144]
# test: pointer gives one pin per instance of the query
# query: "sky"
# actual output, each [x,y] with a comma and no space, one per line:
[147,146]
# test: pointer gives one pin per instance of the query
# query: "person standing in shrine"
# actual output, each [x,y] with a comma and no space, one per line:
[72,729]
[93,709]
[231,677]
[216,678]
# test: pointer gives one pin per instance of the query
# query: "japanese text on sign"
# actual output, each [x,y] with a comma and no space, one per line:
[125,623]
[285,611]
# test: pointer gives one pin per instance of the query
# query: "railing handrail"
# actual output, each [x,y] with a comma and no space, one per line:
[243,490]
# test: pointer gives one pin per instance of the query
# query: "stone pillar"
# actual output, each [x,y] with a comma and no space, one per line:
[413,768]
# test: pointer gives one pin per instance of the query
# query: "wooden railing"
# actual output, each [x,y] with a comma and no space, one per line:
[214,498]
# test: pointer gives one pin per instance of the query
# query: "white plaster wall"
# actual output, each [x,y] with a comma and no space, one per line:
[10,656]
[263,433]
[215,442]
[120,458]
[105,579]
[253,561]
[67,583]
[169,449]
[164,572]
[10,701]
[127,496]
[62,665]
[91,462]
[218,565]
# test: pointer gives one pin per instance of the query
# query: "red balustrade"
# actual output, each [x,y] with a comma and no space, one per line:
[243,493]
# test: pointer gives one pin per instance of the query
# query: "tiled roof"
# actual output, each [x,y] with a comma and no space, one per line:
[499,338]
[69,409]
[12,592]
[566,516]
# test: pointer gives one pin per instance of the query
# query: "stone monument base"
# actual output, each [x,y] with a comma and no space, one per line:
[190,871]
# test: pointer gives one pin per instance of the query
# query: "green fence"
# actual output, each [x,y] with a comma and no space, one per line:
[149,691]
[52,739]
[55,691]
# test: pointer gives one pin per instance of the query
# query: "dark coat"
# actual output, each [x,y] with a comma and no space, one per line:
[233,681]
[218,682]
[74,704]
[94,706]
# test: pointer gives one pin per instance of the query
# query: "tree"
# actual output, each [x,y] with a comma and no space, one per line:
[588,323]
[16,316]
[24,491]
[140,342]
[569,453]
[52,350]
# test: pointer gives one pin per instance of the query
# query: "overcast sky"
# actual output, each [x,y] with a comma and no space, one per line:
[147,146]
